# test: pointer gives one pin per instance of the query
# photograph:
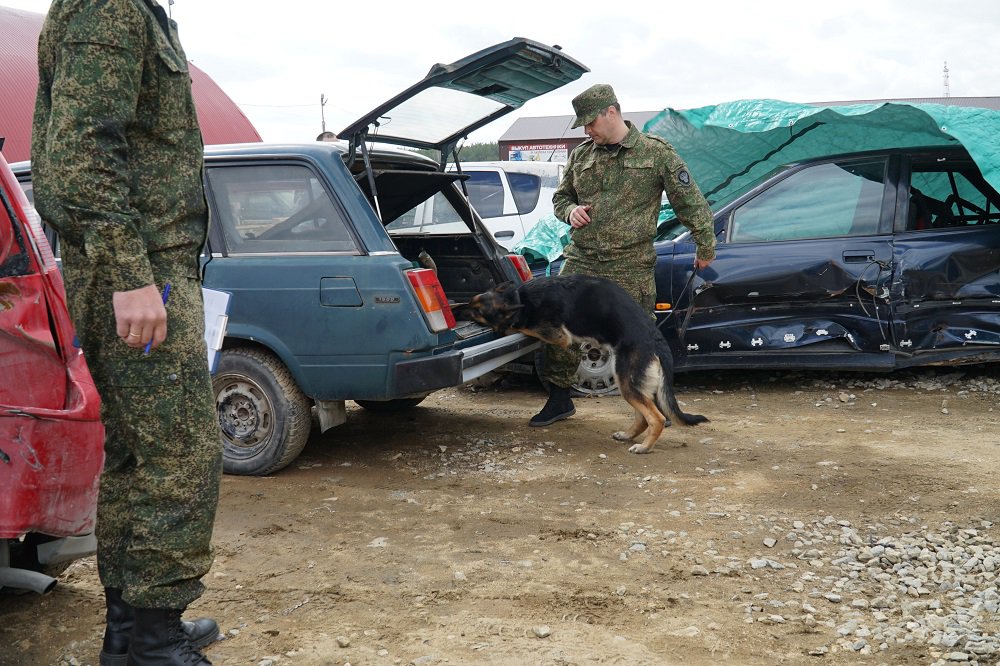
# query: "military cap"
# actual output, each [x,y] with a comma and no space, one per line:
[589,104]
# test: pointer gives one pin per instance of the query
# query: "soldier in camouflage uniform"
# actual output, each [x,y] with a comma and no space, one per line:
[117,171]
[610,194]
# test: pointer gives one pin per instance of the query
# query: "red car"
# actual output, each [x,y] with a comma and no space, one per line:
[51,437]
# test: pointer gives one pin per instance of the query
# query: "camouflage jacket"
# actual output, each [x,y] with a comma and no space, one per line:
[623,186]
[116,148]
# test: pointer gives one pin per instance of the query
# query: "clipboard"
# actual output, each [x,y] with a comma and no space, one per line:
[216,320]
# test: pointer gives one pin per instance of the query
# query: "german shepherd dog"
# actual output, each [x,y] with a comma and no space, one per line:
[571,309]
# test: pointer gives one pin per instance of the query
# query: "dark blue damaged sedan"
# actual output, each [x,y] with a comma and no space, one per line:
[874,260]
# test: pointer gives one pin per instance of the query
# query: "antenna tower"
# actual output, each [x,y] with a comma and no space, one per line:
[947,89]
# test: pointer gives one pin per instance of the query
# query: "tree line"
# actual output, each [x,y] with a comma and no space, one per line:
[472,152]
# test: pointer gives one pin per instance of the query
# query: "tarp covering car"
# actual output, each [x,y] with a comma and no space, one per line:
[852,237]
[731,146]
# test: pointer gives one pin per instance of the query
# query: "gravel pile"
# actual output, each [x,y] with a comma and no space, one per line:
[926,379]
[929,586]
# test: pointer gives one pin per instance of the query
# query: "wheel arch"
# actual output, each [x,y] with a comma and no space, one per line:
[252,337]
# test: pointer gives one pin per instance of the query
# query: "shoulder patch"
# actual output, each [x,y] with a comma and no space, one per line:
[683,177]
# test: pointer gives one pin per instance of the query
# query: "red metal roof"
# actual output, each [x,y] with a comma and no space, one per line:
[220,119]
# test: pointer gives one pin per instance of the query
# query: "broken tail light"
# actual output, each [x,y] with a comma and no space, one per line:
[432,299]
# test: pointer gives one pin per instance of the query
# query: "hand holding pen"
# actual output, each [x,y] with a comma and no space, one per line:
[166,295]
[141,316]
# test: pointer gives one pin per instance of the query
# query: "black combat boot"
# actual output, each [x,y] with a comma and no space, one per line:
[121,618]
[159,639]
[118,632]
[559,406]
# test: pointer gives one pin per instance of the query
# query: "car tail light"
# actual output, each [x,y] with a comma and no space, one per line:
[520,265]
[432,299]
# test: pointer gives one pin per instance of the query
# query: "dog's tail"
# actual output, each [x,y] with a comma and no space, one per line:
[665,398]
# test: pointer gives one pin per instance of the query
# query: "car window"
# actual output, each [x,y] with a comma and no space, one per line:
[277,208]
[486,193]
[437,215]
[944,195]
[821,201]
[525,188]
[29,191]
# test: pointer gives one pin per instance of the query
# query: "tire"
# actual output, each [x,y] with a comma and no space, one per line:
[391,406]
[263,415]
[594,377]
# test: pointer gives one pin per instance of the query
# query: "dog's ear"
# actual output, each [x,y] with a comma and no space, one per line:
[504,287]
[510,294]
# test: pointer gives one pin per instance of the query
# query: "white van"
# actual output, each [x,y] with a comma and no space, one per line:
[511,196]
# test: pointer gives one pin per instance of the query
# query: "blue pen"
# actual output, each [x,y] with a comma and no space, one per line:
[166,295]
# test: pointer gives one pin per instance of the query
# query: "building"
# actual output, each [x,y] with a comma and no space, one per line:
[221,120]
[550,138]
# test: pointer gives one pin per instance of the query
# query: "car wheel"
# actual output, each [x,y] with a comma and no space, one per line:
[595,376]
[397,405]
[264,417]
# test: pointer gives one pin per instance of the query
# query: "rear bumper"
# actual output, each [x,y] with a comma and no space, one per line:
[422,375]
[479,360]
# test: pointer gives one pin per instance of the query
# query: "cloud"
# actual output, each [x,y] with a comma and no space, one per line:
[276,60]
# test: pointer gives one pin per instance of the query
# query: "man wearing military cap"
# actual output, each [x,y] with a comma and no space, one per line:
[610,196]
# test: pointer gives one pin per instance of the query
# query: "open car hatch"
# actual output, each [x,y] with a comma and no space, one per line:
[454,100]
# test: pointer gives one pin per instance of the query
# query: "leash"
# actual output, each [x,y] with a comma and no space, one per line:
[689,290]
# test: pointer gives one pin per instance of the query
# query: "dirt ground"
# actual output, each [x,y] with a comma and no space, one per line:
[456,534]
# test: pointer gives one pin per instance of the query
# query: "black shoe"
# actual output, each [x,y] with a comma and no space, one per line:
[559,406]
[159,639]
[121,618]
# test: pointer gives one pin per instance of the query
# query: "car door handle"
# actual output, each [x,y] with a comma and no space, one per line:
[859,256]
[507,233]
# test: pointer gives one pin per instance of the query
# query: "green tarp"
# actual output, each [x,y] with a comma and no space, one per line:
[728,147]
[544,242]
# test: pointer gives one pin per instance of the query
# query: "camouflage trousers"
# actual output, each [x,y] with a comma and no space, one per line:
[561,363]
[163,455]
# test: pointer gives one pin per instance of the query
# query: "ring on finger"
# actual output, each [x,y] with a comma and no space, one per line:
[133,335]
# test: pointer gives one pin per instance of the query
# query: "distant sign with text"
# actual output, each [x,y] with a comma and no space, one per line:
[538,152]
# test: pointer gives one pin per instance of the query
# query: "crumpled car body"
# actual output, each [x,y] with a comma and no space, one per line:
[874,260]
[51,437]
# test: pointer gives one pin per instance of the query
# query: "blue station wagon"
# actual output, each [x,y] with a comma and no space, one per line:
[336,293]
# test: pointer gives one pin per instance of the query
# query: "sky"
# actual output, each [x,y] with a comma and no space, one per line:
[276,60]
